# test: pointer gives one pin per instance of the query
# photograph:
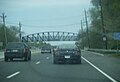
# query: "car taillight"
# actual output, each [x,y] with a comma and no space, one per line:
[77,52]
[25,50]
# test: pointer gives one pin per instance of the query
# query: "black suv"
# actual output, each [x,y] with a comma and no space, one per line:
[17,50]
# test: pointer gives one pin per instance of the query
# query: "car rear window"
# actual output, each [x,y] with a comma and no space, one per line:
[67,46]
[46,47]
[15,45]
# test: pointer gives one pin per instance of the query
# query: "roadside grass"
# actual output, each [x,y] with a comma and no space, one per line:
[115,55]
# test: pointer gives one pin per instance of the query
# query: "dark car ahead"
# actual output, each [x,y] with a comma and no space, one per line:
[46,49]
[17,50]
[67,53]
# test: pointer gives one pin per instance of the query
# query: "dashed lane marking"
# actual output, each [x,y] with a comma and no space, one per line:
[38,62]
[12,75]
[47,58]
[106,75]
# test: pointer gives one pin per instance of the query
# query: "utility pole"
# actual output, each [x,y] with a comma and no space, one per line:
[87,29]
[5,35]
[20,33]
[103,25]
[82,33]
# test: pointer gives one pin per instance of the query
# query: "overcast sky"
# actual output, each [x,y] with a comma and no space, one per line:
[45,15]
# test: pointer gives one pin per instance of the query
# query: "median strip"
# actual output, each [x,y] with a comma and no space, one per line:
[106,75]
[14,74]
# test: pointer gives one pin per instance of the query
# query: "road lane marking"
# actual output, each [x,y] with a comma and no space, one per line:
[38,62]
[106,75]
[47,58]
[14,74]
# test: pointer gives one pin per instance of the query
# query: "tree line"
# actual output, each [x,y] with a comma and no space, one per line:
[12,34]
[110,13]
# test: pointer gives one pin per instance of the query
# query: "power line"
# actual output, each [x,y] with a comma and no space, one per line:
[52,25]
[46,25]
[54,19]
[61,18]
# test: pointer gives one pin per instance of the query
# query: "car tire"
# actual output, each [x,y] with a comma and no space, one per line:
[79,62]
[55,61]
[29,57]
[26,58]
[6,59]
[11,59]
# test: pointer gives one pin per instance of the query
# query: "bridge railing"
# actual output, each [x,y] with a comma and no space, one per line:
[50,36]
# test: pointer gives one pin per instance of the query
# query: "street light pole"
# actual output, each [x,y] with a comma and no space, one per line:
[103,25]
[20,34]
[3,19]
[82,34]
[87,29]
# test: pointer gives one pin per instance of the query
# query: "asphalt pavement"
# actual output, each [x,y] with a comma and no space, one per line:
[1,54]
[94,68]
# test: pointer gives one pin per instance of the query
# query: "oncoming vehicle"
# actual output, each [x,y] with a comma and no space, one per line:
[46,49]
[67,53]
[17,50]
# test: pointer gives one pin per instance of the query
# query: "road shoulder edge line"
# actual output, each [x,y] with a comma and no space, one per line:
[106,75]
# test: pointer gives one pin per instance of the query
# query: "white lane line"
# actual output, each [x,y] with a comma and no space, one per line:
[106,75]
[14,74]
[38,62]
[47,58]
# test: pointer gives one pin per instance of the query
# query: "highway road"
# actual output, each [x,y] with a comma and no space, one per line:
[94,68]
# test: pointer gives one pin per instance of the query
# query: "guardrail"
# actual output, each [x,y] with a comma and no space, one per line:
[107,51]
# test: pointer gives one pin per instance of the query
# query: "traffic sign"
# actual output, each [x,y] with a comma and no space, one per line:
[117,36]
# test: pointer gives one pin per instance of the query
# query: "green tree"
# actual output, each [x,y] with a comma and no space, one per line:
[111,17]
[11,33]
